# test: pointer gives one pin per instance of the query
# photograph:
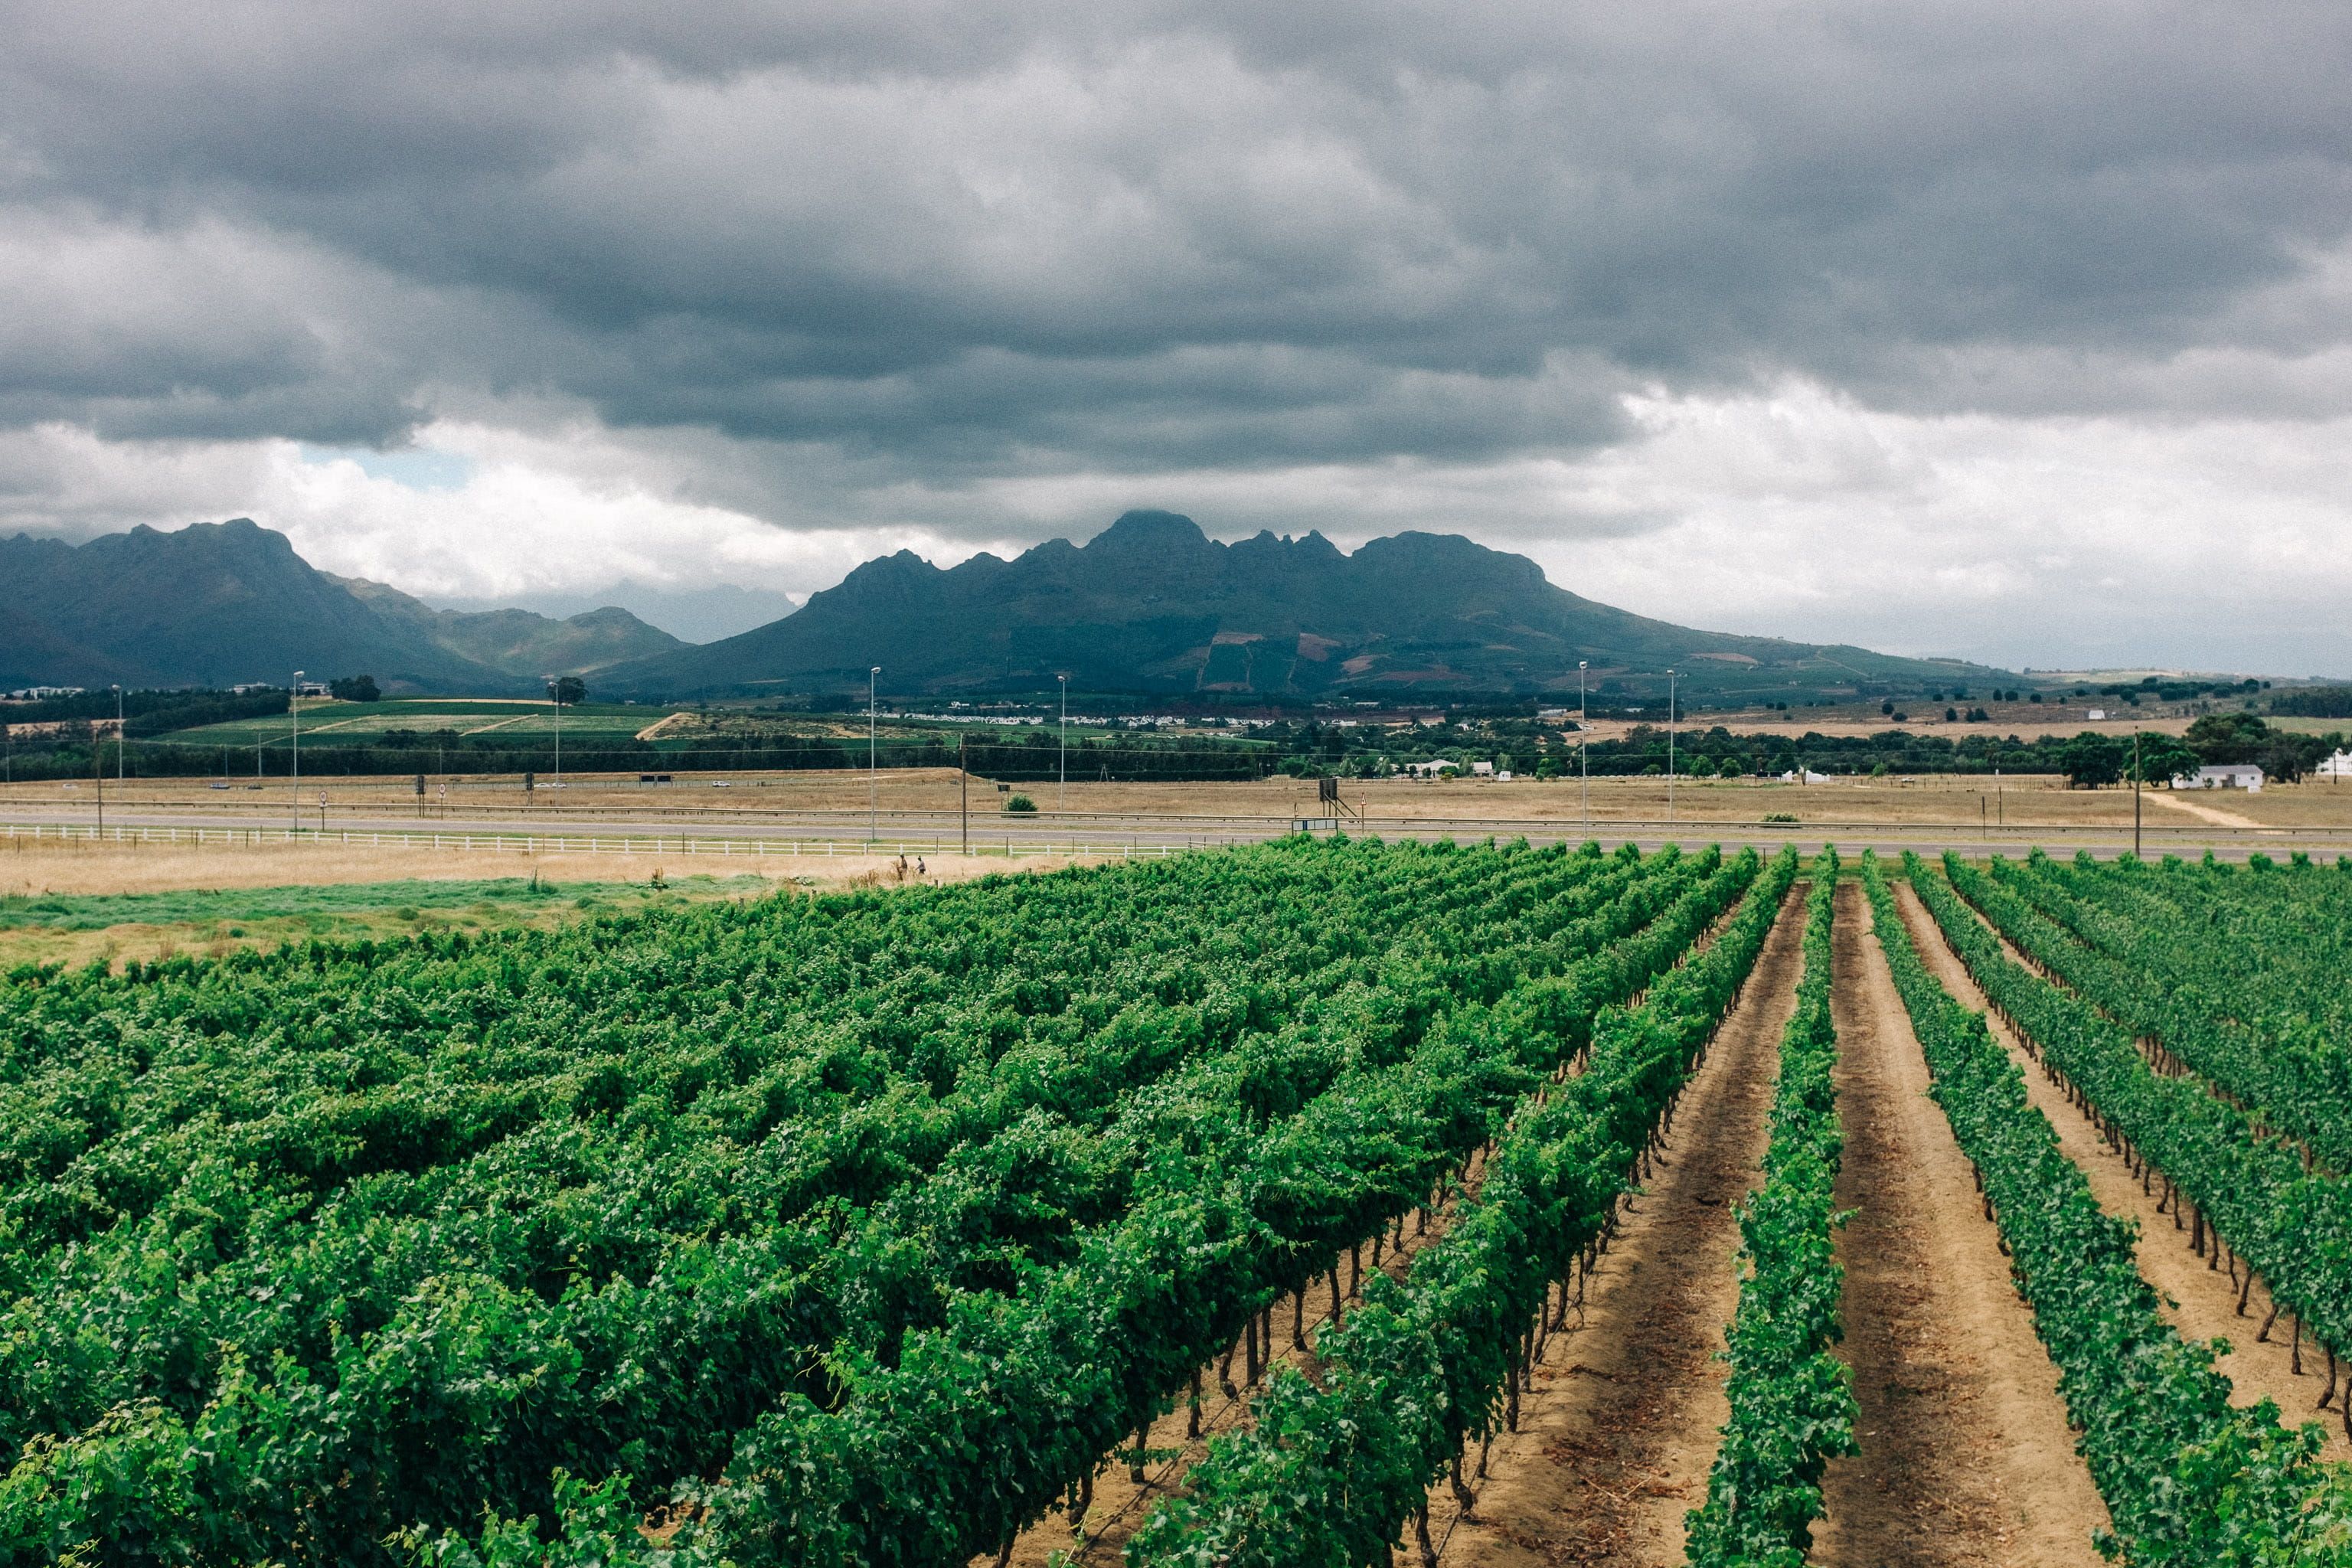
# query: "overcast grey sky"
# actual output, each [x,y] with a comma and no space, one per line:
[2017,331]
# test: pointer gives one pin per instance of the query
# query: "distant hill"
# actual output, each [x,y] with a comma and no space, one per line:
[521,642]
[1153,604]
[218,603]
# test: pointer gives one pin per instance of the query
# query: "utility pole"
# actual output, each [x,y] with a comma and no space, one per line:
[1062,794]
[555,691]
[873,779]
[963,780]
[1670,746]
[294,711]
[1584,735]
[2136,782]
[97,773]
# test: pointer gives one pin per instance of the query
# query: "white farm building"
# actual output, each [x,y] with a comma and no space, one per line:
[2222,775]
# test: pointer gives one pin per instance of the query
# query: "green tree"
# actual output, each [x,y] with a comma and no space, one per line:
[356,688]
[567,690]
[2164,757]
[2287,756]
[2233,737]
[2094,761]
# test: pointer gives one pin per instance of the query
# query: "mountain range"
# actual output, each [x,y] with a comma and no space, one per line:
[215,604]
[1153,605]
[1150,606]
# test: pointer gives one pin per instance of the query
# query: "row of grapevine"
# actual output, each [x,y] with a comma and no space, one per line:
[1792,1406]
[982,1425]
[2168,953]
[2187,1480]
[2290,1224]
[276,1368]
[1332,1473]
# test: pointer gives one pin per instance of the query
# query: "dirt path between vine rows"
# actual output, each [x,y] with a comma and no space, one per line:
[1965,1454]
[1616,1437]
[2202,1300]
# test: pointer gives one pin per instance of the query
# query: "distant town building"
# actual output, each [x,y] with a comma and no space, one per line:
[2222,775]
[2095,714]
[1435,768]
[1481,769]
[41,693]
[1805,776]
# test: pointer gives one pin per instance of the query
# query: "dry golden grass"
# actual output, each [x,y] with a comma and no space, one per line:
[28,867]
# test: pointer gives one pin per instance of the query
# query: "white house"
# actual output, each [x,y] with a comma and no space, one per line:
[1435,768]
[1804,777]
[2339,766]
[2226,775]
[1481,769]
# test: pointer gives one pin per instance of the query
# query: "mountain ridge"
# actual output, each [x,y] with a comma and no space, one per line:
[521,643]
[1153,605]
[217,602]
[1150,605]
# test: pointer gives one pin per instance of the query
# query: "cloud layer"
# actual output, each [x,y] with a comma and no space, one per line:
[2018,331]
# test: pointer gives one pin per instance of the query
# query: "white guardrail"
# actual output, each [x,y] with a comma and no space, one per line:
[596,844]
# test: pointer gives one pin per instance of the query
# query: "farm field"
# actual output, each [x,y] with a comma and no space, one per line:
[326,721]
[1320,1202]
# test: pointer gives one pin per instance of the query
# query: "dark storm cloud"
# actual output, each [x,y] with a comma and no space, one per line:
[1060,239]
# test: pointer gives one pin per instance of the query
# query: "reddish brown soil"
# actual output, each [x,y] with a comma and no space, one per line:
[1965,1456]
[1615,1438]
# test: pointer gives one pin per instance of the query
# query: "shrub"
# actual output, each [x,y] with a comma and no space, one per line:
[1020,804]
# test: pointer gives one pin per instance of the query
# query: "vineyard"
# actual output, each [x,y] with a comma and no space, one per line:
[1324,1202]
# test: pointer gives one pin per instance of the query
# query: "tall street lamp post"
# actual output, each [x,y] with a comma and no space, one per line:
[294,711]
[1583,736]
[1670,746]
[118,734]
[873,778]
[1062,790]
[555,691]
